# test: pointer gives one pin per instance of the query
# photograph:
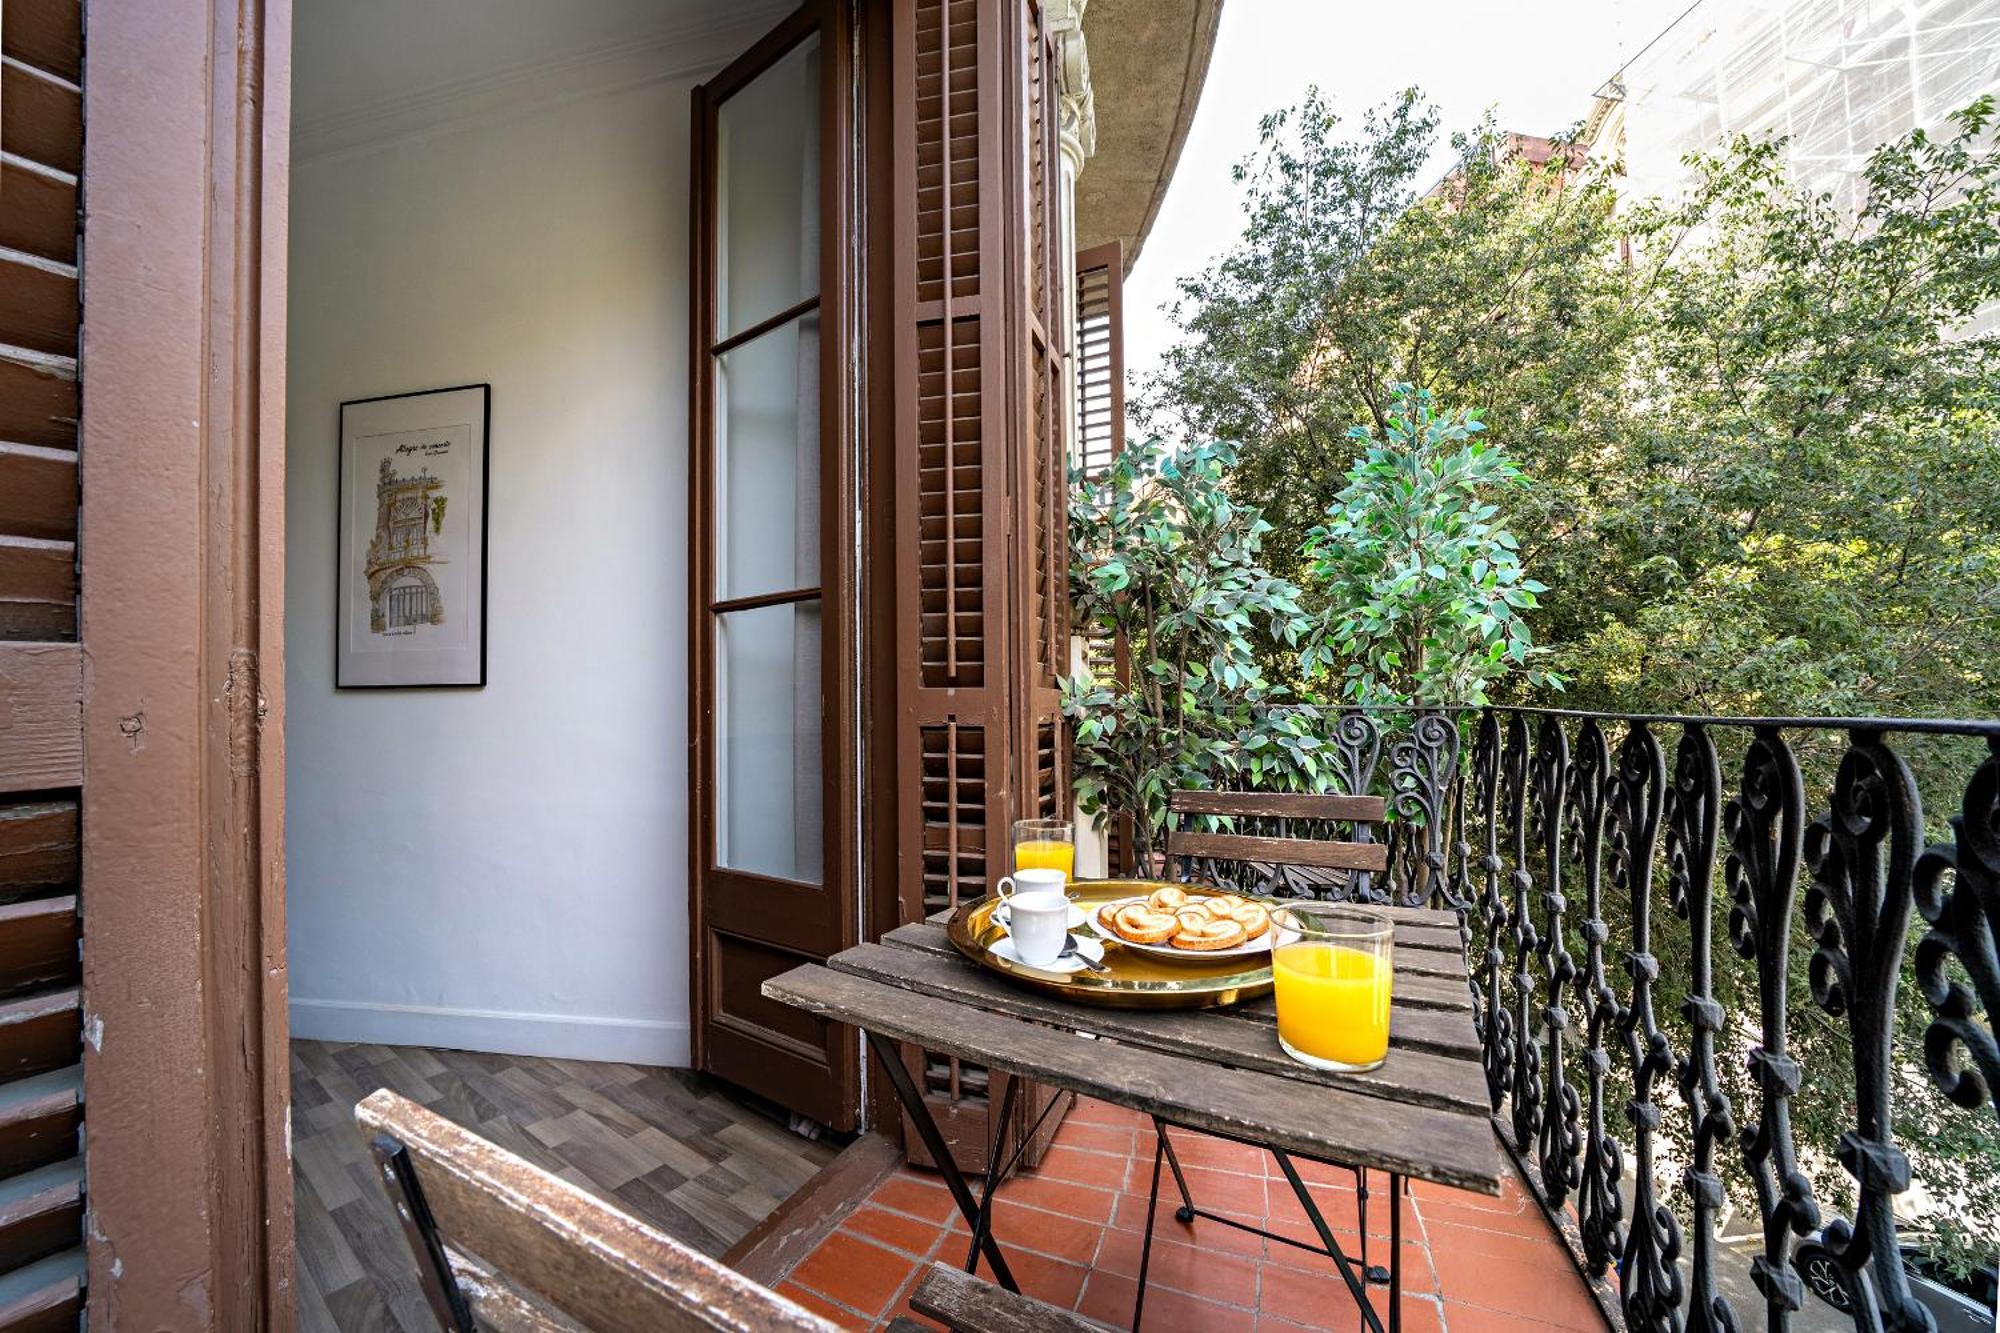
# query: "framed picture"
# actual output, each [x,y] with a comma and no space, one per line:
[410,597]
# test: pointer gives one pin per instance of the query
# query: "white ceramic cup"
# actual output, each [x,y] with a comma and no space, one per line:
[1037,915]
[1032,881]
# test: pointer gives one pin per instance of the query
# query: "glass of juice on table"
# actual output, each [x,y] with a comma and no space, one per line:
[1045,844]
[1332,965]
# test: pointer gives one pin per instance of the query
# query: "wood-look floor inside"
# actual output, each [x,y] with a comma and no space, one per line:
[669,1146]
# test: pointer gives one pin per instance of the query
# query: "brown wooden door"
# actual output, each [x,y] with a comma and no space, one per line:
[775,844]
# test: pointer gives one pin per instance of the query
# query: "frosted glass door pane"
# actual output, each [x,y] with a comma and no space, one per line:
[767,187]
[768,794]
[767,462]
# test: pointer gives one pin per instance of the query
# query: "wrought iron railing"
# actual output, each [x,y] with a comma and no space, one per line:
[1731,945]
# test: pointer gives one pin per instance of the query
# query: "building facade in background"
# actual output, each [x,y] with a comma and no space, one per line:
[1835,78]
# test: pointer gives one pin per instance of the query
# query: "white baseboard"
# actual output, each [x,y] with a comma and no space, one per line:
[623,1040]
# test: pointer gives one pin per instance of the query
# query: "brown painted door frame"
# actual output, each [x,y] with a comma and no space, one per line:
[745,926]
[187,107]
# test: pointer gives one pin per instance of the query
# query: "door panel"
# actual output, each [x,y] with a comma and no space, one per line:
[771,501]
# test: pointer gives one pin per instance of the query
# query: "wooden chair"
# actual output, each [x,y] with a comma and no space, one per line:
[501,1244]
[1265,857]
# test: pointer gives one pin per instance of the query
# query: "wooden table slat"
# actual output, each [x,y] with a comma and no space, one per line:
[1426,1143]
[1452,1082]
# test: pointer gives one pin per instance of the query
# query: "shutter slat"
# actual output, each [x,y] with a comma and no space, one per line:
[47,34]
[37,588]
[44,1297]
[37,491]
[39,1118]
[40,216]
[39,852]
[38,303]
[38,945]
[38,398]
[40,1033]
[41,1213]
[42,119]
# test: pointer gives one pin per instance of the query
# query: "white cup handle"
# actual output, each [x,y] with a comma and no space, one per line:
[1005,888]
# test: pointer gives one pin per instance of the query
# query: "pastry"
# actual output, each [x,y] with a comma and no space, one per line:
[1196,922]
[1212,933]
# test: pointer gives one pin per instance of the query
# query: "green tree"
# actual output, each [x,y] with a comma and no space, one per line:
[1807,518]
[1419,582]
[1164,559]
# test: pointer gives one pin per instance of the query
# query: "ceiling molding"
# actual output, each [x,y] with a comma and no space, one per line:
[687,51]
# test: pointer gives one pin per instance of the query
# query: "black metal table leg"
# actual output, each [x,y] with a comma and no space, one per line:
[1160,1147]
[927,1130]
[995,1173]
[1399,1189]
[1186,1213]
[1356,1285]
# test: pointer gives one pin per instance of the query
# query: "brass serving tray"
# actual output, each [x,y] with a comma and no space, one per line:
[1135,980]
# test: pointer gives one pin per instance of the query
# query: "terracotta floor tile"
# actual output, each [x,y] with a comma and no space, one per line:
[1420,1315]
[1061,1196]
[1090,1112]
[1522,1219]
[1083,1166]
[907,1193]
[1419,1276]
[1170,1311]
[1229,1278]
[1462,1318]
[1103,1138]
[824,1308]
[856,1273]
[1107,1298]
[1196,1149]
[1220,1191]
[1341,1210]
[1533,1281]
[893,1229]
[1044,1278]
[1203,1231]
[1018,1226]
[1072,1236]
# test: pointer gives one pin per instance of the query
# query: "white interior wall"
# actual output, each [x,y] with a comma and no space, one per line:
[503,868]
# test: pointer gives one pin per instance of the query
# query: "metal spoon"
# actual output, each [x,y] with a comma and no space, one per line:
[1070,946]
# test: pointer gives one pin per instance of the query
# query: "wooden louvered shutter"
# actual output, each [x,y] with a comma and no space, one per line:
[1100,355]
[1100,437]
[981,385]
[41,1077]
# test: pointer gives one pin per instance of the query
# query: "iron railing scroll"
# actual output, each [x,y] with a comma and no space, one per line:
[1637,897]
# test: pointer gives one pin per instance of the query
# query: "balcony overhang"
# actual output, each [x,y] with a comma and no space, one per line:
[1148,60]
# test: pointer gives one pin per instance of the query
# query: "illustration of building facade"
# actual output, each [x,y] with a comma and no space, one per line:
[409,514]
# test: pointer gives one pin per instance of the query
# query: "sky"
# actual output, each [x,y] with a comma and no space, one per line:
[1536,62]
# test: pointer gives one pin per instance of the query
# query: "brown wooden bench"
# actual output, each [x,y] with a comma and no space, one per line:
[501,1244]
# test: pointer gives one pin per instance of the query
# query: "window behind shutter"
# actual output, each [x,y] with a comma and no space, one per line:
[41,1170]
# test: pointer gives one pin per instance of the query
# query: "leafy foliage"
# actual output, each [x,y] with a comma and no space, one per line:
[1764,434]
[1420,583]
[1167,562]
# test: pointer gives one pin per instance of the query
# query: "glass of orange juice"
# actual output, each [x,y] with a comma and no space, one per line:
[1333,965]
[1045,844]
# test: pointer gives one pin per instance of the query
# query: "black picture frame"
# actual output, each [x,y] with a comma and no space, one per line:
[466,663]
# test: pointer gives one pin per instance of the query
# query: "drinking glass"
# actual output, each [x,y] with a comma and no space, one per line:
[1045,844]
[1333,965]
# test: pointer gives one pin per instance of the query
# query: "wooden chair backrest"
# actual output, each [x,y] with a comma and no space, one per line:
[1314,853]
[514,1239]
